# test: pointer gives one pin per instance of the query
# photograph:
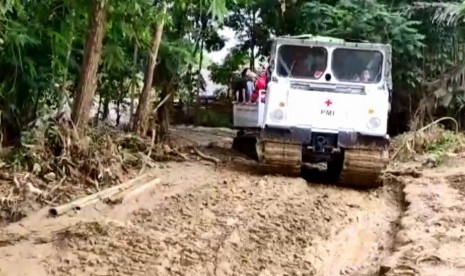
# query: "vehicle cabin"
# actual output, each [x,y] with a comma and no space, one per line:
[330,60]
[323,64]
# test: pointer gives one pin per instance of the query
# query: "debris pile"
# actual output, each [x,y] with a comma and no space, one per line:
[55,164]
[433,140]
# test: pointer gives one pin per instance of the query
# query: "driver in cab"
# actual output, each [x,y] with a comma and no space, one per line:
[300,67]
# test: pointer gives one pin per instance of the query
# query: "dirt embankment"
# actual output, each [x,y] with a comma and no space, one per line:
[431,238]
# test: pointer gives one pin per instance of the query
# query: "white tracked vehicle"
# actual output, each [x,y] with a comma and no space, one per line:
[326,101]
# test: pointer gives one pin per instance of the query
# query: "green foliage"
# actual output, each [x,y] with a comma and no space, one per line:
[375,22]
[42,42]
[351,20]
[217,9]
[443,144]
[434,141]
[41,49]
[227,71]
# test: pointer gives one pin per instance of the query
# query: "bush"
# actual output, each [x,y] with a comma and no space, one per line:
[433,140]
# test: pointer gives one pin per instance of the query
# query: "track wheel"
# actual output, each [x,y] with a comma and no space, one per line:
[363,168]
[275,157]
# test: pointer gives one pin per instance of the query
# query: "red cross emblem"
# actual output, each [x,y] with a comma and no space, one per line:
[328,103]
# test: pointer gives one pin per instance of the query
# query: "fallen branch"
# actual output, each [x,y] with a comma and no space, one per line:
[33,190]
[440,120]
[134,191]
[207,157]
[47,196]
[180,154]
[161,103]
[149,154]
[94,198]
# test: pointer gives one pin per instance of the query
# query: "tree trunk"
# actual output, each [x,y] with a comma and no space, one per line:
[252,42]
[122,92]
[228,95]
[88,75]
[199,84]
[64,103]
[97,114]
[141,118]
[118,112]
[134,85]
[106,107]
[163,114]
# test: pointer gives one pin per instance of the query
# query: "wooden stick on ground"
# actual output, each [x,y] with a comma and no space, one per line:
[180,154]
[207,157]
[152,143]
[134,191]
[94,198]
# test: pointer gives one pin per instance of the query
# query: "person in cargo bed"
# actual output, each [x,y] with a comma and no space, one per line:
[260,84]
[244,87]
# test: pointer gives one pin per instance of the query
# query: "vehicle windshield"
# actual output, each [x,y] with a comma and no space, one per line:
[301,61]
[354,65]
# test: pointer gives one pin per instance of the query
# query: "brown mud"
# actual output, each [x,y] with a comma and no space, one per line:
[227,219]
[431,236]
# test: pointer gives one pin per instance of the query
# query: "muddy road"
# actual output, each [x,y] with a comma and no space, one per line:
[219,220]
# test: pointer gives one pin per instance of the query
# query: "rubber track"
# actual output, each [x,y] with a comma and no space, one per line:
[276,157]
[363,168]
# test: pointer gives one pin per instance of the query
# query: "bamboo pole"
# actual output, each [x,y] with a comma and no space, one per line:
[134,191]
[93,198]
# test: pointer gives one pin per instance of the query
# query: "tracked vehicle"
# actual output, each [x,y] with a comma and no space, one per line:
[326,101]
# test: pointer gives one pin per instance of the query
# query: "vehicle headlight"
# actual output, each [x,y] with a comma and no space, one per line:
[373,123]
[277,115]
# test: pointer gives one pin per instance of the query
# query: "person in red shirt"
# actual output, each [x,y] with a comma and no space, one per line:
[260,84]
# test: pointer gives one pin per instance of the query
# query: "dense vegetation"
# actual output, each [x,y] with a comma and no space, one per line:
[57,54]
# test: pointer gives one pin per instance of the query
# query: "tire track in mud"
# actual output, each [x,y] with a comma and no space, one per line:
[360,247]
[221,219]
[431,235]
[224,222]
